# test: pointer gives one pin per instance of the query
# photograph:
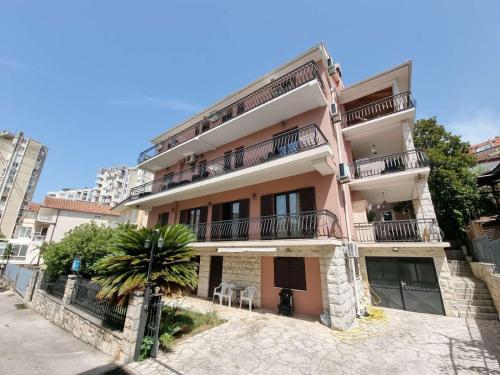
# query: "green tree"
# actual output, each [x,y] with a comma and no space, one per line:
[452,182]
[88,241]
[125,270]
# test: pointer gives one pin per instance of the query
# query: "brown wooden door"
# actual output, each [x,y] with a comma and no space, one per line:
[215,273]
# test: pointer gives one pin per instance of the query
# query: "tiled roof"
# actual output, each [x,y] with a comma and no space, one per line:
[80,206]
[33,207]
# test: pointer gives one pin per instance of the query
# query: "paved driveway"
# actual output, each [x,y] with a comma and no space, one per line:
[404,343]
[30,344]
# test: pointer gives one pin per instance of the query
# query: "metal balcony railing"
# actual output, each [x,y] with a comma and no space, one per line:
[310,224]
[288,143]
[388,164]
[414,230]
[379,108]
[290,81]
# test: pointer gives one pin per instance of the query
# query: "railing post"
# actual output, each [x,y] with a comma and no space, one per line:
[68,290]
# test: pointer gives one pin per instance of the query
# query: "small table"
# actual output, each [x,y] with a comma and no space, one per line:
[238,290]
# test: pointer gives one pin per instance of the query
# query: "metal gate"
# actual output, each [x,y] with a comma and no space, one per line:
[405,283]
[20,276]
[149,327]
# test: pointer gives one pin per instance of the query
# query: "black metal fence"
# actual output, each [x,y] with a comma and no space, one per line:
[290,81]
[486,251]
[287,143]
[388,164]
[54,286]
[153,322]
[85,298]
[310,224]
[377,109]
[415,230]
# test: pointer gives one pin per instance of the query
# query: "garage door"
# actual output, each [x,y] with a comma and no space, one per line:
[405,283]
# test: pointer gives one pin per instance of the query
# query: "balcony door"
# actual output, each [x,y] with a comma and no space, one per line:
[289,214]
[228,220]
[196,219]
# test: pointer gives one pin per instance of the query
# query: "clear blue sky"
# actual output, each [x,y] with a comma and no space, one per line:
[96,80]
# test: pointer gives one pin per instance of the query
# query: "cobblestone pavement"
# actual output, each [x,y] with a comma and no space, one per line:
[264,343]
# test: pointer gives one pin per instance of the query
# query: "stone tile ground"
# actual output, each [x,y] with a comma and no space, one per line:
[264,343]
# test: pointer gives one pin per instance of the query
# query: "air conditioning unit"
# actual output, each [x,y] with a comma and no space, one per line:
[352,250]
[338,69]
[191,159]
[344,175]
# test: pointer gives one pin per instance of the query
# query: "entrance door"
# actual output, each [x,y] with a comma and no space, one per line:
[215,273]
[405,283]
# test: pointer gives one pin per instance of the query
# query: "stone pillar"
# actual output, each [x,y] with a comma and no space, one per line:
[32,285]
[424,211]
[68,291]
[341,298]
[203,276]
[131,326]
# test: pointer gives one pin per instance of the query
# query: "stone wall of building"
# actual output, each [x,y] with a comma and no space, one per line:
[486,273]
[337,288]
[440,263]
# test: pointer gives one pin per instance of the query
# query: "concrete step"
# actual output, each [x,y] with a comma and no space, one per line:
[476,309]
[475,302]
[469,284]
[481,316]
[474,294]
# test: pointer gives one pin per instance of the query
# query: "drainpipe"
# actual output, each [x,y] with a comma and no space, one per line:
[346,215]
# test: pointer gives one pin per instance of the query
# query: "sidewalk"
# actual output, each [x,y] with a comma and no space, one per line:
[29,344]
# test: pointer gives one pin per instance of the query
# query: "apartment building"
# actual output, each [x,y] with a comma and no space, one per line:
[487,153]
[21,163]
[113,184]
[50,221]
[85,194]
[298,181]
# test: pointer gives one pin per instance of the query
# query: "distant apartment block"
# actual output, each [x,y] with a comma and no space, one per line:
[85,194]
[21,163]
[114,184]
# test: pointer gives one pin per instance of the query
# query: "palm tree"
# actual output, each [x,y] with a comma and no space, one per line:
[125,269]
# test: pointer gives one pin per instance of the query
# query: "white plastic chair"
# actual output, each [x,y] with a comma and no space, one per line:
[226,291]
[248,294]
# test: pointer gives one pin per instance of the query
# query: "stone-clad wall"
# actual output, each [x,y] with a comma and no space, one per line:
[486,273]
[81,325]
[336,286]
[243,270]
[440,263]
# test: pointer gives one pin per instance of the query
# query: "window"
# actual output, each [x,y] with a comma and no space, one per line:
[290,272]
[19,250]
[25,232]
[163,218]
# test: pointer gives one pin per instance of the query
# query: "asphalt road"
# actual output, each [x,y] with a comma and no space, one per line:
[30,344]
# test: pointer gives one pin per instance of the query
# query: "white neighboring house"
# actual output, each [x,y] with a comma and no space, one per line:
[50,221]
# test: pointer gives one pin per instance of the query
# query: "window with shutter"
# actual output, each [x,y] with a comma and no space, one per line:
[290,272]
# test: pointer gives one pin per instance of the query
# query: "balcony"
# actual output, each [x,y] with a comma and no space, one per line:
[377,109]
[389,178]
[383,165]
[311,224]
[296,92]
[291,153]
[414,230]
[47,218]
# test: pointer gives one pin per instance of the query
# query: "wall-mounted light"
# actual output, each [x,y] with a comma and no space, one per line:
[374,150]
[254,195]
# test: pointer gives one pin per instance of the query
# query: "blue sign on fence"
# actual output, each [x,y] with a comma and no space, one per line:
[76,265]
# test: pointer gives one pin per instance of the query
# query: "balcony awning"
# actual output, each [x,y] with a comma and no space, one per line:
[246,249]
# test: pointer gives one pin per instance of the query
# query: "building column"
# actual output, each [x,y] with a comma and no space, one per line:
[341,300]
[203,276]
